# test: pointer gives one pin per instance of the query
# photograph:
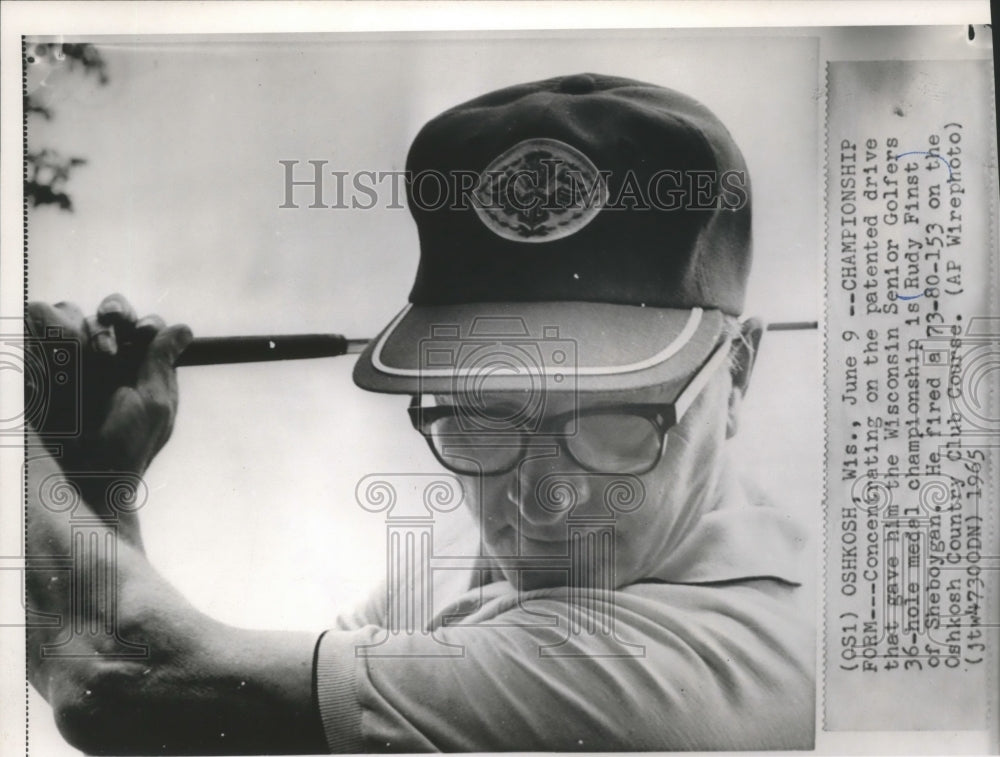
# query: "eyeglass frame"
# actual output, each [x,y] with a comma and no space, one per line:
[663,416]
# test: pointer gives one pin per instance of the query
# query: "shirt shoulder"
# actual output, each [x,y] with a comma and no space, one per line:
[651,666]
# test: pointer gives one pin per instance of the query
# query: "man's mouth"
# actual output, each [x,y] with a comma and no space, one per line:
[530,563]
[537,563]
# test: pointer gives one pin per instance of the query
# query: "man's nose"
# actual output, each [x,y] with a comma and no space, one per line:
[547,486]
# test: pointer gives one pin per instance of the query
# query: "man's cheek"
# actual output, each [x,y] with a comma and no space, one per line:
[477,496]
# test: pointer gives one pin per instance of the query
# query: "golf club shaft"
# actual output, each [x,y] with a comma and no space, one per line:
[219,350]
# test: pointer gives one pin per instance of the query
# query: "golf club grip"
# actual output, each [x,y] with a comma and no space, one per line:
[217,350]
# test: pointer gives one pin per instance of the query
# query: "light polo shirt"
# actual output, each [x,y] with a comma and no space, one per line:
[715,651]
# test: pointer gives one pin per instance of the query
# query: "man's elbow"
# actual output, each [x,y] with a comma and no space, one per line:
[99,707]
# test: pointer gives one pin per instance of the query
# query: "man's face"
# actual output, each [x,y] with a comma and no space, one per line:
[528,511]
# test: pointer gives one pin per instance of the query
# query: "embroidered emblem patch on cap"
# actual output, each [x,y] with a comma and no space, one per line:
[539,190]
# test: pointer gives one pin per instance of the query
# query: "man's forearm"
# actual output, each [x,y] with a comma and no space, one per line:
[129,665]
[48,546]
[79,567]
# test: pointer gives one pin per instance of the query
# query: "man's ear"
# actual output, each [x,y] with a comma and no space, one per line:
[744,353]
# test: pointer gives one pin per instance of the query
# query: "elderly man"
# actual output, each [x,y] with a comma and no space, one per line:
[572,334]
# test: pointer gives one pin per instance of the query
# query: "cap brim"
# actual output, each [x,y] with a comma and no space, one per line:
[558,346]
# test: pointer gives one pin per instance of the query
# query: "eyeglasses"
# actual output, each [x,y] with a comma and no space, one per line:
[625,438]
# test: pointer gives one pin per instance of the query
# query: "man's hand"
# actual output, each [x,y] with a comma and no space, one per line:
[201,687]
[125,390]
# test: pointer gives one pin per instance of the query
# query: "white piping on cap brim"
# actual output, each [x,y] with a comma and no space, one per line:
[694,319]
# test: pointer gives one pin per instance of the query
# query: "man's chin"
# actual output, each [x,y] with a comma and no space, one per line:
[532,580]
[508,547]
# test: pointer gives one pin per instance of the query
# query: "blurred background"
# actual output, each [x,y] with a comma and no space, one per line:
[252,511]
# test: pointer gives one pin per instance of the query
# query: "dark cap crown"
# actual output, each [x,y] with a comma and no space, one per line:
[582,188]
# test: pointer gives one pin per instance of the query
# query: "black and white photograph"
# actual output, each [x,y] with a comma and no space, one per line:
[538,390]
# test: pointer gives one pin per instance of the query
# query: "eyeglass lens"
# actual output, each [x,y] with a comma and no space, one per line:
[616,443]
[606,442]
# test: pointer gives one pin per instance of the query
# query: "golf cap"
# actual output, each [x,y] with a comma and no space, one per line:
[582,233]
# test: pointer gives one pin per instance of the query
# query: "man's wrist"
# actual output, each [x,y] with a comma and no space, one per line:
[104,491]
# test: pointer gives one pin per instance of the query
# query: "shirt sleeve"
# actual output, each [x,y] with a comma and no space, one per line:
[682,668]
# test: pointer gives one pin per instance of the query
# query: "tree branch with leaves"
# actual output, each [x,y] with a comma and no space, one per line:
[46,170]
